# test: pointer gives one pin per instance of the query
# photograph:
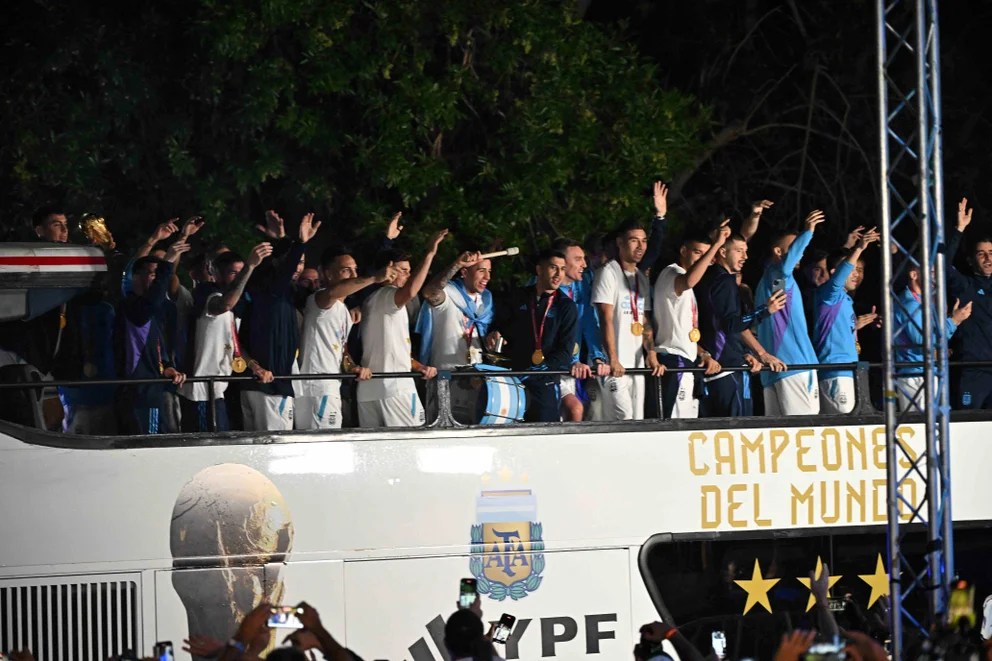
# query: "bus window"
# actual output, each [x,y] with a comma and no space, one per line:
[706,585]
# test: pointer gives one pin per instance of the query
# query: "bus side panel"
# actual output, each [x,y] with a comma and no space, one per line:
[581,608]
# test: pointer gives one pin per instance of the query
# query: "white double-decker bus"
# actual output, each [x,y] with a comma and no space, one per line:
[582,531]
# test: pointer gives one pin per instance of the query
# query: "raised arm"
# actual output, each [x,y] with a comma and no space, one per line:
[659,227]
[795,254]
[434,289]
[161,233]
[412,287]
[750,225]
[342,289]
[691,278]
[220,304]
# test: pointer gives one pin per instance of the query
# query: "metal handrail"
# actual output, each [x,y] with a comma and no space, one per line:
[441,388]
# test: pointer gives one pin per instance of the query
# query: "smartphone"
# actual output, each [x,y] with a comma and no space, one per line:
[503,629]
[778,284]
[467,593]
[826,652]
[836,605]
[163,651]
[718,640]
[284,617]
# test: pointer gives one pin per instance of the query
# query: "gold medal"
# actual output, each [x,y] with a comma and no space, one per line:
[857,347]
[575,349]
[694,335]
[238,364]
[637,328]
[62,321]
[537,357]
[89,370]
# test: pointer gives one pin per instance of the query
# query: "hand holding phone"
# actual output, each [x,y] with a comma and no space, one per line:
[163,651]
[503,629]
[467,593]
[284,617]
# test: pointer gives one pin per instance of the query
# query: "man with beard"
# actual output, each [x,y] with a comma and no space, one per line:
[541,328]
[622,295]
[324,340]
[676,315]
[837,327]
[973,339]
[386,344]
[786,335]
[724,329]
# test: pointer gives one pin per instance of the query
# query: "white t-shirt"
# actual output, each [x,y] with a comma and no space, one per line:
[617,288]
[322,344]
[674,316]
[448,344]
[214,349]
[386,346]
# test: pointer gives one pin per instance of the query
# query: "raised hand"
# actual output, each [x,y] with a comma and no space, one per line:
[853,236]
[720,235]
[964,214]
[758,206]
[192,226]
[259,253]
[308,227]
[165,230]
[274,227]
[660,199]
[776,301]
[394,228]
[814,218]
[867,238]
[467,259]
[437,239]
[794,644]
[960,312]
[386,274]
[866,319]
[176,250]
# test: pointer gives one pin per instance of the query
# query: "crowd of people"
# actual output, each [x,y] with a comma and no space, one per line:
[594,323]
[829,635]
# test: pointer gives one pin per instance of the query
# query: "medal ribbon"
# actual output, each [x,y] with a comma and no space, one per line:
[235,344]
[539,334]
[695,313]
[634,292]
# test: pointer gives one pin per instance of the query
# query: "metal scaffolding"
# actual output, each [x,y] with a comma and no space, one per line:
[911,179]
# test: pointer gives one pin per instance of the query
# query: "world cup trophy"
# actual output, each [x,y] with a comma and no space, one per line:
[95,229]
[230,530]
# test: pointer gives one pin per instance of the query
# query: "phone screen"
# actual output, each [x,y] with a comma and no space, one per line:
[719,644]
[284,617]
[502,631]
[163,651]
[467,593]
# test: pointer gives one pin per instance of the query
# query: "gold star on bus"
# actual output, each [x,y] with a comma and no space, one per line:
[879,582]
[808,583]
[757,589]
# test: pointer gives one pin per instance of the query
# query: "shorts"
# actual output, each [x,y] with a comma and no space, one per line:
[796,394]
[264,412]
[837,395]
[400,411]
[317,411]
[623,397]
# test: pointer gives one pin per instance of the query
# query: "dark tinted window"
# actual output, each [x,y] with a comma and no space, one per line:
[695,582]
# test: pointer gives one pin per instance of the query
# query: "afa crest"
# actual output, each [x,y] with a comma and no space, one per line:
[506,545]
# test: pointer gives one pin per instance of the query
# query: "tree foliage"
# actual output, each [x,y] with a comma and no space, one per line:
[507,122]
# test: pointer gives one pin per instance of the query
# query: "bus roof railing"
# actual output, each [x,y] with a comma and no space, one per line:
[440,386]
